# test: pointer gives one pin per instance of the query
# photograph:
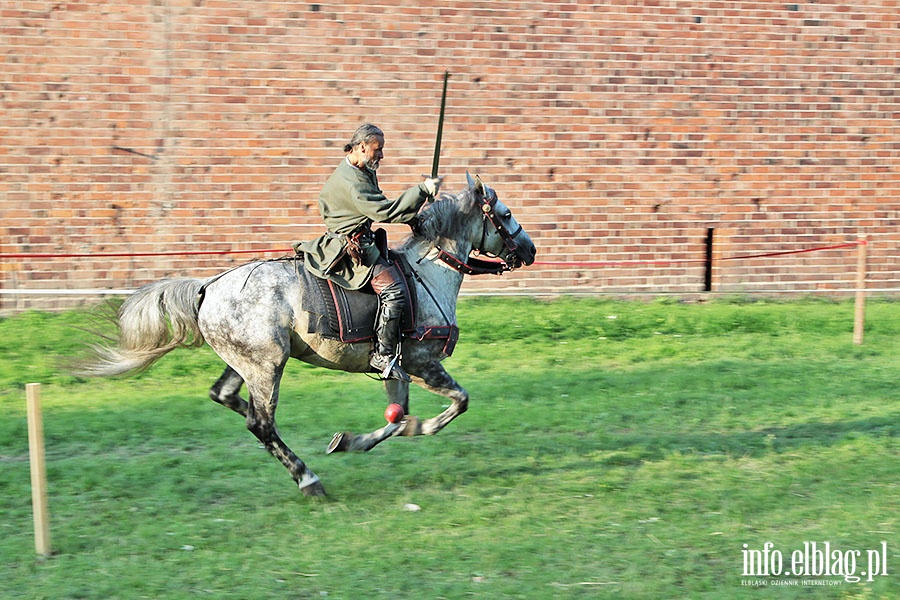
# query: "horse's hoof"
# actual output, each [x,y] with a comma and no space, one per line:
[314,489]
[411,426]
[339,443]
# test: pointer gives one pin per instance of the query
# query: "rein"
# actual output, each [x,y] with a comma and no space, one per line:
[472,265]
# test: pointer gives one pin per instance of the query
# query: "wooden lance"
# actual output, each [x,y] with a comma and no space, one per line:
[440,129]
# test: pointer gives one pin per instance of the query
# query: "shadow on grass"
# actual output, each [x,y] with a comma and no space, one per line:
[463,457]
[757,442]
[505,441]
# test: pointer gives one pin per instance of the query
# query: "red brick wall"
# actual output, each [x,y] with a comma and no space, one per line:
[616,131]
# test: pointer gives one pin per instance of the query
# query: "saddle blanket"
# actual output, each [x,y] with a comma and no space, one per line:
[349,315]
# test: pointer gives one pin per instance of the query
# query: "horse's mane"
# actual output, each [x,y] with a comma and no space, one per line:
[444,219]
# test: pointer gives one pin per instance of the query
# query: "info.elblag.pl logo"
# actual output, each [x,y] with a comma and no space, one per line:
[814,560]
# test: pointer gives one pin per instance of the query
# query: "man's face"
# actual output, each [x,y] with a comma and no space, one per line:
[372,152]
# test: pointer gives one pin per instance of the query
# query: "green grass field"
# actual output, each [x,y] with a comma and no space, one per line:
[624,449]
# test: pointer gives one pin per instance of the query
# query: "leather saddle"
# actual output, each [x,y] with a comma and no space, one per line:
[349,315]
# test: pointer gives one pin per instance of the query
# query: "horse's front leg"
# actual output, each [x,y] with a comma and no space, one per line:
[435,378]
[432,377]
[344,441]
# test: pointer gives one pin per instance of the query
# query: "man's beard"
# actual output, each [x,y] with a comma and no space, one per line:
[373,164]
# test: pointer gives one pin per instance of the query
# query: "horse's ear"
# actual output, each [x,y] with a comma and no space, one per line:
[475,184]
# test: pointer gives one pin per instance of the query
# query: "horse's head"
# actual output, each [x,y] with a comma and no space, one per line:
[501,236]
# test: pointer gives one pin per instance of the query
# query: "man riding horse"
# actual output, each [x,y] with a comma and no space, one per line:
[348,254]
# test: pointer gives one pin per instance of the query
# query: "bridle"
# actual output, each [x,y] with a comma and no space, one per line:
[490,214]
[478,266]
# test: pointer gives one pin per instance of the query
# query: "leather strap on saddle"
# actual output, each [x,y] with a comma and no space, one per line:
[438,332]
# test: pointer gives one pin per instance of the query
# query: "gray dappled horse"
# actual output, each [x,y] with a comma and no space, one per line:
[251,317]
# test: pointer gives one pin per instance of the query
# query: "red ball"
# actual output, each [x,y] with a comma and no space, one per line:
[393,413]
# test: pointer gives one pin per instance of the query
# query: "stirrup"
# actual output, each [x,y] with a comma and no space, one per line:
[393,370]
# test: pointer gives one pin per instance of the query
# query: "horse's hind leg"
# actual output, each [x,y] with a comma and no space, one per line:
[226,390]
[263,385]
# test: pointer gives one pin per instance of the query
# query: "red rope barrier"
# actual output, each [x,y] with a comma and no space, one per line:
[630,263]
[134,254]
[835,247]
[616,263]
[587,264]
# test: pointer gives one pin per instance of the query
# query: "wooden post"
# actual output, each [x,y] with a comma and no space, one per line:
[708,263]
[859,313]
[38,470]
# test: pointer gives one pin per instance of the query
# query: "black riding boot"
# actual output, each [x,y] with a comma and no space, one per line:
[386,356]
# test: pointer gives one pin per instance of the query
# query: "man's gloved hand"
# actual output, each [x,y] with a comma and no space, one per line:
[432,185]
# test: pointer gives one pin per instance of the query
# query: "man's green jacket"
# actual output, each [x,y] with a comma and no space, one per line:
[350,201]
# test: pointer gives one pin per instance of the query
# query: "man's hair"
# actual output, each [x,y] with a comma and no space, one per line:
[364,133]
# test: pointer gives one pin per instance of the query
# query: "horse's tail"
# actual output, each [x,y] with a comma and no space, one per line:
[153,321]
